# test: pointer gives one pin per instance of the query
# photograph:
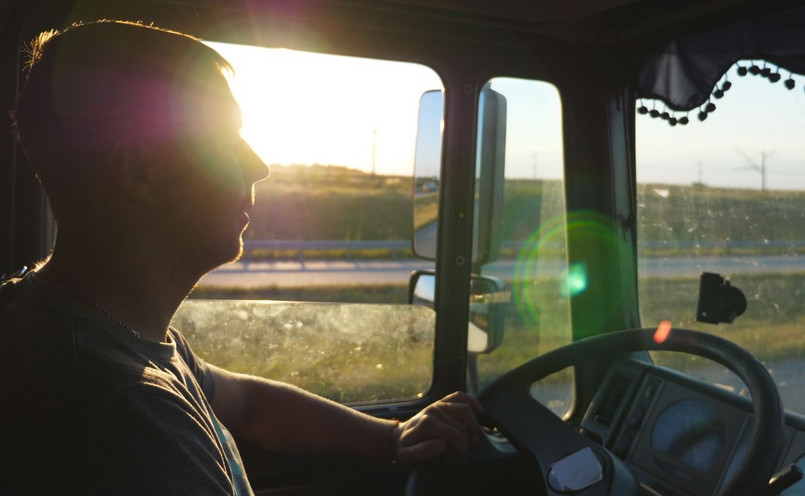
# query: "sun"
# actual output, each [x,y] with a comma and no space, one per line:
[308,108]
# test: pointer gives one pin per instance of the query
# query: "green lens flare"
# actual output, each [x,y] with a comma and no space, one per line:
[573,280]
[542,276]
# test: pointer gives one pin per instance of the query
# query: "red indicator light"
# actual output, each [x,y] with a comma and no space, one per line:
[662,332]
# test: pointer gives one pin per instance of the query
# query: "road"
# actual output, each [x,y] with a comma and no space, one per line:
[375,272]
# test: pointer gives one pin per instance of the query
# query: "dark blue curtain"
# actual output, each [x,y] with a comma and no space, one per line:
[684,73]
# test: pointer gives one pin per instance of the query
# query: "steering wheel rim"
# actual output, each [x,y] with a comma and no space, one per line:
[528,429]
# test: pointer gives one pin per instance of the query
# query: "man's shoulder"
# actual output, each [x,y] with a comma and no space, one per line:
[51,349]
[30,330]
[38,365]
[9,292]
[20,309]
[7,287]
[103,444]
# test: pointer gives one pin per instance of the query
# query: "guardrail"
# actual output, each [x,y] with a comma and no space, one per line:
[322,245]
[727,244]
[396,246]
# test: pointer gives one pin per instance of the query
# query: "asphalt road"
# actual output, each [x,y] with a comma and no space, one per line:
[374,272]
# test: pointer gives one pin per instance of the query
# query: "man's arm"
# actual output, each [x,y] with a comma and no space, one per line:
[286,419]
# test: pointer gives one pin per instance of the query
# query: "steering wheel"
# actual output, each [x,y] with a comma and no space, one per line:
[537,431]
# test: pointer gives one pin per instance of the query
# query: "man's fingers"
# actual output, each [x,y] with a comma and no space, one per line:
[450,422]
[460,416]
[436,424]
[422,451]
[471,401]
[468,411]
[432,424]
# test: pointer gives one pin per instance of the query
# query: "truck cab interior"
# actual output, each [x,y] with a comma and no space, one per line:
[598,206]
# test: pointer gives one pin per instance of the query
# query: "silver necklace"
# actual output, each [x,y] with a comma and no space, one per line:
[75,294]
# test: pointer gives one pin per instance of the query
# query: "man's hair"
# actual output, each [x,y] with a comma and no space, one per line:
[92,83]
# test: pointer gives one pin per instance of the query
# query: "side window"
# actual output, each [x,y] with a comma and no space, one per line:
[332,225]
[727,195]
[531,257]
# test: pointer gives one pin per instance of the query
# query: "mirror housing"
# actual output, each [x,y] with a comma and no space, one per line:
[488,296]
[490,158]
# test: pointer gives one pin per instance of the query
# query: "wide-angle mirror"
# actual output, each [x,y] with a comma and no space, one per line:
[488,296]
[427,171]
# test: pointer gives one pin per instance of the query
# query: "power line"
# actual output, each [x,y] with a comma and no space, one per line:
[761,167]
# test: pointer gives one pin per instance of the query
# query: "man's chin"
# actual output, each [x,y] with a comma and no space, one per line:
[239,254]
[235,253]
[227,255]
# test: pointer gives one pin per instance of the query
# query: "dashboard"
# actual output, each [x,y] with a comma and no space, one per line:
[679,435]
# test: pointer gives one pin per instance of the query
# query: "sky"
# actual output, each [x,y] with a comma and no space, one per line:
[753,117]
[310,108]
[306,108]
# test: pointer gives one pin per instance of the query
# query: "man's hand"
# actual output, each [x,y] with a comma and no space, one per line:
[448,423]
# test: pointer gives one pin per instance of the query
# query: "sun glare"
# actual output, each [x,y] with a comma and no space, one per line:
[307,108]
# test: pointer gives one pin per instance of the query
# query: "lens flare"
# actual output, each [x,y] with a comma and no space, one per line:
[541,274]
[573,280]
[662,332]
[530,265]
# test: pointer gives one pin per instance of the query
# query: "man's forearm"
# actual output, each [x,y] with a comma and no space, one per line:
[285,419]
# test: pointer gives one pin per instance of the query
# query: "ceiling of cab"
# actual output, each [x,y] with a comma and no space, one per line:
[597,21]
[591,22]
[539,11]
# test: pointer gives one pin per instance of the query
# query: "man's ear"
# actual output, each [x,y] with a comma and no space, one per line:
[133,173]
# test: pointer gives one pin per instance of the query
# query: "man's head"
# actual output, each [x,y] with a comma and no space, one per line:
[90,85]
[113,109]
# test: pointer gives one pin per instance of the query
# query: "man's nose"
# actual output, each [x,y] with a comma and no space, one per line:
[254,169]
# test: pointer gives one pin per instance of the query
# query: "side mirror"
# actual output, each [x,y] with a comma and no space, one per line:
[488,176]
[487,299]
[489,180]
[427,172]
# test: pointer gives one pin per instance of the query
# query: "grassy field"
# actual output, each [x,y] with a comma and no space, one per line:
[337,203]
[711,217]
[771,328]
[331,203]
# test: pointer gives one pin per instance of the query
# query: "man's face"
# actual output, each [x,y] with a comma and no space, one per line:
[213,182]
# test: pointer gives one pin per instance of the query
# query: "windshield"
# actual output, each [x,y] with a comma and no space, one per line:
[725,193]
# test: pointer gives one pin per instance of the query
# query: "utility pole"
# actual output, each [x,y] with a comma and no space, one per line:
[374,150]
[763,155]
[761,167]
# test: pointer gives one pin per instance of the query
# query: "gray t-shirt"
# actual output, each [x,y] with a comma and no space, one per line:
[88,408]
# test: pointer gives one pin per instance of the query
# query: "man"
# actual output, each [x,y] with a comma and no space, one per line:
[134,135]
